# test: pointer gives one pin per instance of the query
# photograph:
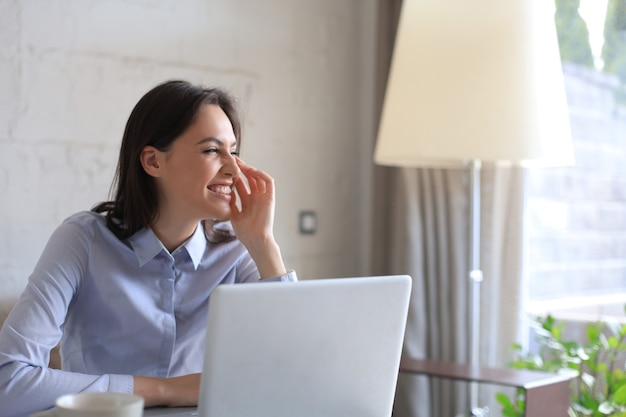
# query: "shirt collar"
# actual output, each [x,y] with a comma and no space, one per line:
[147,245]
[196,245]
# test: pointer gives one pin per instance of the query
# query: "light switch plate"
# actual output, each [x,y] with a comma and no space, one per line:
[308,222]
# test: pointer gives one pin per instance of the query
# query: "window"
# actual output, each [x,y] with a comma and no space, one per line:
[576,216]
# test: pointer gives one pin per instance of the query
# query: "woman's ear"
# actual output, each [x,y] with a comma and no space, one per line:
[150,161]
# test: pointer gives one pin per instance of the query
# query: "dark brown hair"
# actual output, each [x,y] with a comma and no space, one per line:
[158,119]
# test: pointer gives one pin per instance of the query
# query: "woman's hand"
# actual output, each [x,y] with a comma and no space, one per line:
[180,391]
[253,222]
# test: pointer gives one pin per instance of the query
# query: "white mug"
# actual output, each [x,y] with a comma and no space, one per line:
[96,404]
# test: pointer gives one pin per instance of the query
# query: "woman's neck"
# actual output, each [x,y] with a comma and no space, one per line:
[173,234]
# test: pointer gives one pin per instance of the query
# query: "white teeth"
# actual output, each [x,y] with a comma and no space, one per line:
[222,189]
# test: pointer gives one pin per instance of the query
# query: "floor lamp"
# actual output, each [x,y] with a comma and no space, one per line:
[473,82]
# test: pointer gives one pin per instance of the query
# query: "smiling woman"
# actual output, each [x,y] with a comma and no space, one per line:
[174,111]
[125,287]
[194,175]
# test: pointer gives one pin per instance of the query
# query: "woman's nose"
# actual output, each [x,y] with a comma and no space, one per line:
[230,166]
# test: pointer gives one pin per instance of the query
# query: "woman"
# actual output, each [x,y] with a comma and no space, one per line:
[124,287]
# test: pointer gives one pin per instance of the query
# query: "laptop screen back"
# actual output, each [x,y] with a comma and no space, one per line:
[325,347]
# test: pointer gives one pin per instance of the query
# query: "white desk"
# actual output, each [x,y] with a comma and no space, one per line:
[170,412]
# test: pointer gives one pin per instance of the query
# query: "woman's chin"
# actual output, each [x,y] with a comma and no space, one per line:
[219,216]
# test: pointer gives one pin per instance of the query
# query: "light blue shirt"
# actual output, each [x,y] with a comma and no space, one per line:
[119,308]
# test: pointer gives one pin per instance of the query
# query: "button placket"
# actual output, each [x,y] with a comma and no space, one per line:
[169,319]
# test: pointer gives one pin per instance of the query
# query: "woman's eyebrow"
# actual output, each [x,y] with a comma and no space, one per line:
[214,140]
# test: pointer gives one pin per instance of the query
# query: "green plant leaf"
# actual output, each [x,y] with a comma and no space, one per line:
[579,408]
[598,387]
[603,341]
[593,333]
[606,408]
[582,354]
[587,402]
[504,400]
[588,379]
[619,396]
[547,322]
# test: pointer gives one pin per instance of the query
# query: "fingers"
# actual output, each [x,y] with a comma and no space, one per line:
[236,193]
[258,181]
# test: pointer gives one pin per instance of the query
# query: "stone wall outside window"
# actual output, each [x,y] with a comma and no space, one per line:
[576,216]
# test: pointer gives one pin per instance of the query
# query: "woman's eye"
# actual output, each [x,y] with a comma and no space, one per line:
[218,151]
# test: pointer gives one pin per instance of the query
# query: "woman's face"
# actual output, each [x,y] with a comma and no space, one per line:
[198,171]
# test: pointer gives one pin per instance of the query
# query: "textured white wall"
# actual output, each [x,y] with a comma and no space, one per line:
[71,70]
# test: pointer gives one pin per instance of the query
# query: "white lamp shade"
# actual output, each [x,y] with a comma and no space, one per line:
[475,79]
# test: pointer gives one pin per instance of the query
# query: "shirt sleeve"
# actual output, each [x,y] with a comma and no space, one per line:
[290,276]
[35,326]
[248,272]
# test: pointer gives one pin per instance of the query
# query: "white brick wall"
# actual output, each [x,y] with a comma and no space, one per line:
[71,70]
[577,215]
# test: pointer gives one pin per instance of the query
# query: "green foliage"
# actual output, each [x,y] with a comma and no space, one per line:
[614,48]
[572,33]
[512,407]
[599,386]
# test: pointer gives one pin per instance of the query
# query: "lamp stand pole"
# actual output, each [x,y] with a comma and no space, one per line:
[475,277]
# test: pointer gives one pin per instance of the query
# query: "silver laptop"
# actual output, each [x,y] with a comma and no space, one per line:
[315,348]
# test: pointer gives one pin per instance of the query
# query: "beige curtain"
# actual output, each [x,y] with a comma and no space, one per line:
[427,238]
[421,228]
[426,241]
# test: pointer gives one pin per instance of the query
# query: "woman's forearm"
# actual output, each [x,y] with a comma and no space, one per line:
[181,391]
[268,260]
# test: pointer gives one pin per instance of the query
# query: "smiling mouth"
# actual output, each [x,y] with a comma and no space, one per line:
[221,189]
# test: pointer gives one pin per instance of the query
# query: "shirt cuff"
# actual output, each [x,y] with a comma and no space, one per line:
[290,276]
[121,383]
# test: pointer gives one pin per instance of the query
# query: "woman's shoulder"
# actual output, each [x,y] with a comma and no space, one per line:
[86,218]
[86,222]
[85,229]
